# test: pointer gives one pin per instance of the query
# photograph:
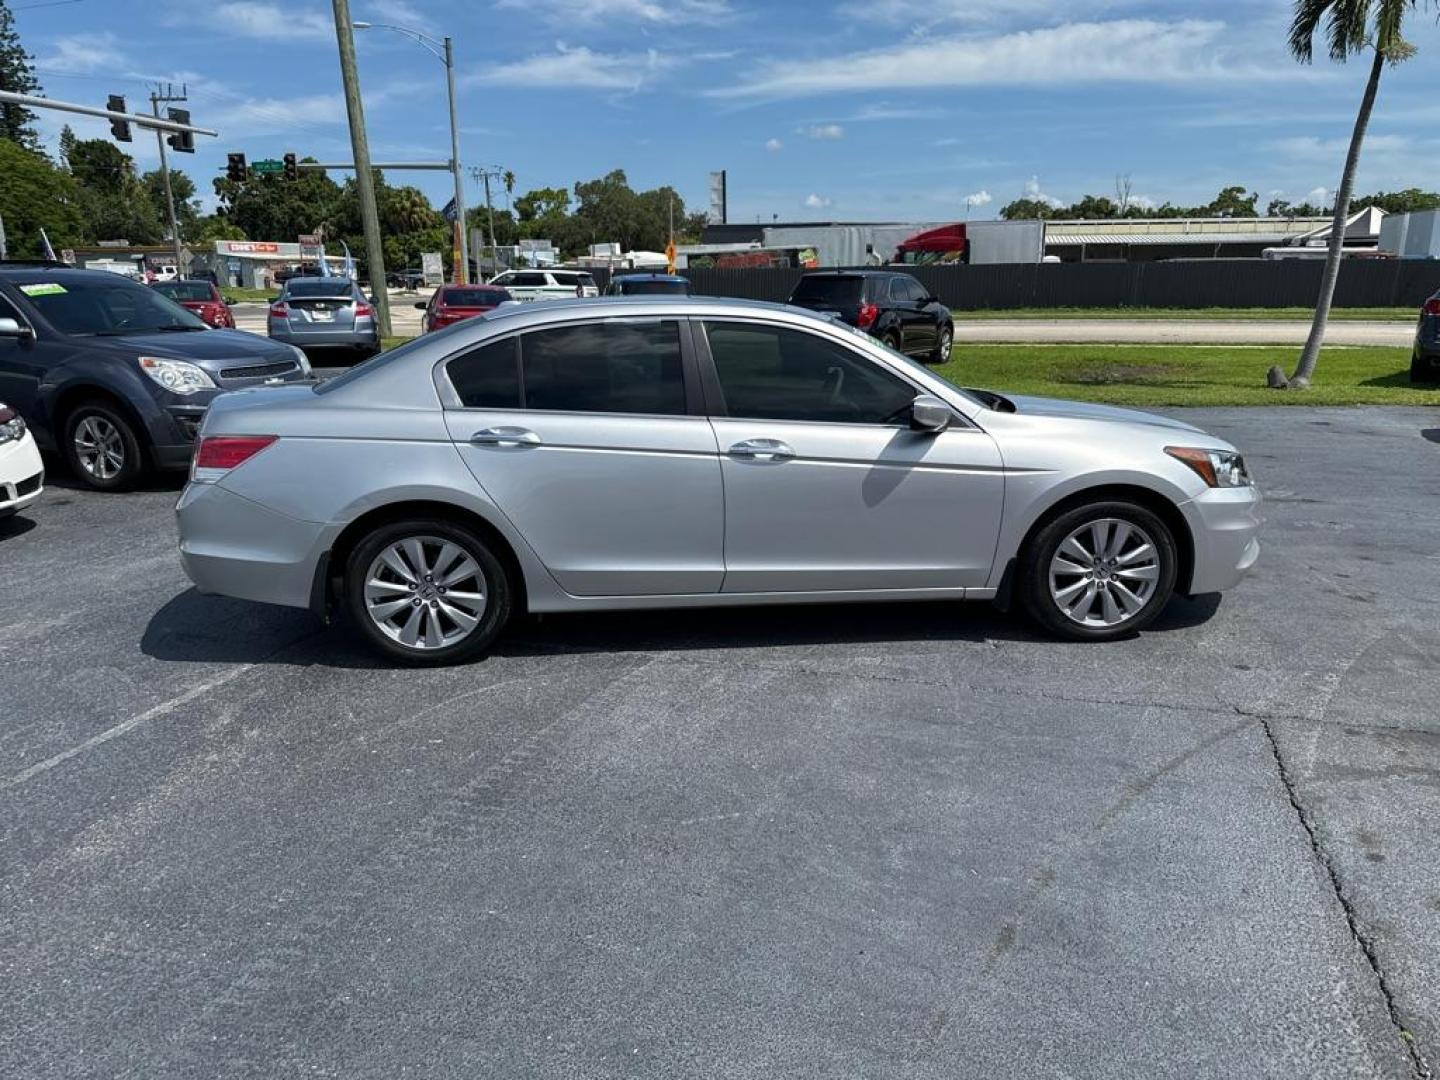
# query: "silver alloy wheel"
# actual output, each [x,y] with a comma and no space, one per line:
[947,341]
[99,447]
[425,592]
[1104,573]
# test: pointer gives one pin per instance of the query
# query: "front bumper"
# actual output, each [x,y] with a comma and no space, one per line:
[1225,526]
[233,546]
[22,475]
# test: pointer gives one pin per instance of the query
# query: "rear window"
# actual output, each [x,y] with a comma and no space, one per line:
[836,291]
[473,297]
[186,290]
[303,287]
[651,287]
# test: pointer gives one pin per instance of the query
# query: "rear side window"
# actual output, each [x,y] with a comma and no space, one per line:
[487,377]
[528,280]
[615,367]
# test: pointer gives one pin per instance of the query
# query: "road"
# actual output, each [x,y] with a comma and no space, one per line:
[1178,332]
[831,842]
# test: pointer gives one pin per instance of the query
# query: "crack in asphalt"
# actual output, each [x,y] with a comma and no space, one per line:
[1419,1068]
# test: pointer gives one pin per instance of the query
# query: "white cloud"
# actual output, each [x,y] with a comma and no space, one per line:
[654,12]
[818,202]
[1182,51]
[253,116]
[773,145]
[271,22]
[979,198]
[1318,197]
[1143,202]
[1312,148]
[961,11]
[821,131]
[578,66]
[78,54]
[948,140]
[882,111]
[1033,191]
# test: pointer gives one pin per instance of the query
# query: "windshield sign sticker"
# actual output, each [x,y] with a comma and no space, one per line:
[45,289]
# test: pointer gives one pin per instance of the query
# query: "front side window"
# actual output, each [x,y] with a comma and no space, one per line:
[615,367]
[776,373]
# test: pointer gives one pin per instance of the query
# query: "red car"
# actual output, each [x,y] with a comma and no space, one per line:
[455,303]
[200,298]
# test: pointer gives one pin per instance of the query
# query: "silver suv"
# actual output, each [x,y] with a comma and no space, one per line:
[691,452]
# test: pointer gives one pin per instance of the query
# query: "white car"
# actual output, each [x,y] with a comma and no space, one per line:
[547,284]
[22,475]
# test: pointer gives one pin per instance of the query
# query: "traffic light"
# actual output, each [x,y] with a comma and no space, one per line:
[235,168]
[120,129]
[182,142]
[292,170]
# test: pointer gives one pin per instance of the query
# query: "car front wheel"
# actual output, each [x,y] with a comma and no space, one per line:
[943,344]
[426,592]
[1098,572]
[102,448]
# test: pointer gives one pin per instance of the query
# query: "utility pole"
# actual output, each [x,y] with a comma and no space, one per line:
[155,99]
[364,178]
[484,175]
[462,242]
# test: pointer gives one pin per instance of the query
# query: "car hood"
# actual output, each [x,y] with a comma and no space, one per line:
[209,349]
[1084,410]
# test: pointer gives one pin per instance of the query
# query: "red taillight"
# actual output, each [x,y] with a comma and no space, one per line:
[868,314]
[279,311]
[363,311]
[1432,306]
[228,451]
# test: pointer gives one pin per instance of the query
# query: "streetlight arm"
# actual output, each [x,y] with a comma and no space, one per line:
[426,42]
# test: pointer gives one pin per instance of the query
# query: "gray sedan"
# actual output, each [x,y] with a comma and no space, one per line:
[324,315]
[691,452]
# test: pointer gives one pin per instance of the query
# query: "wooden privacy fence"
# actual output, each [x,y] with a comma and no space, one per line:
[1237,283]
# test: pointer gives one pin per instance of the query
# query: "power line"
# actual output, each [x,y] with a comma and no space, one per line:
[49,3]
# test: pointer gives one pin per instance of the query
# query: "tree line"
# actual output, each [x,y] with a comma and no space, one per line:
[1232,201]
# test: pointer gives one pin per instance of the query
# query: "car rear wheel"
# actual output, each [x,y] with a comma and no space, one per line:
[427,591]
[893,340]
[1420,371]
[943,344]
[1098,572]
[102,448]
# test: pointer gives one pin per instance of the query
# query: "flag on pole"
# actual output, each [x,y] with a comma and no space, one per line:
[45,246]
[350,264]
[324,263]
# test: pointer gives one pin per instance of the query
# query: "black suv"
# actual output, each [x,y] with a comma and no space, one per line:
[1425,359]
[895,308]
[115,376]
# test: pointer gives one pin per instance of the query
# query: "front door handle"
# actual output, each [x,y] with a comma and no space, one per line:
[762,450]
[505,436]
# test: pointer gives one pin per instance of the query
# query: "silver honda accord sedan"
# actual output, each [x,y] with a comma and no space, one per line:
[657,452]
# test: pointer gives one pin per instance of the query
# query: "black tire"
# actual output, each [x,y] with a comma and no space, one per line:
[944,344]
[1032,571]
[893,339]
[496,589]
[103,416]
[1421,372]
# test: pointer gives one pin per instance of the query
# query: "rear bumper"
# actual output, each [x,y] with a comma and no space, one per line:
[1225,526]
[330,339]
[233,546]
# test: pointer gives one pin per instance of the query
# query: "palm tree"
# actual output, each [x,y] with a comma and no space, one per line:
[1351,27]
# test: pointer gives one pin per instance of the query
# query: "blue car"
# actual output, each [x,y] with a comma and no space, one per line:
[114,376]
[1425,360]
[648,285]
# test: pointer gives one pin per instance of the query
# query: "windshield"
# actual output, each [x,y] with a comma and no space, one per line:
[651,287]
[834,291]
[473,297]
[303,287]
[185,290]
[105,306]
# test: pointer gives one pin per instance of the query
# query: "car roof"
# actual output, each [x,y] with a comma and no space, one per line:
[853,273]
[649,275]
[55,272]
[615,306]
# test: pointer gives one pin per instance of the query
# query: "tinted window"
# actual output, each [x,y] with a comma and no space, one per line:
[105,305]
[528,280]
[185,290]
[650,287]
[303,287]
[772,373]
[832,290]
[605,367]
[487,377]
[912,289]
[473,297]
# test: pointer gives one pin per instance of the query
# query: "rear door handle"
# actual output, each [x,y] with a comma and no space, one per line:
[505,436]
[762,450]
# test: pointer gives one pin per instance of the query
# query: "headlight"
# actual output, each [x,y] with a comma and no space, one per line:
[12,425]
[177,376]
[1218,468]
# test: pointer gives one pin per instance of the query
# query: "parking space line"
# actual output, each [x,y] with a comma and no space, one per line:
[126,725]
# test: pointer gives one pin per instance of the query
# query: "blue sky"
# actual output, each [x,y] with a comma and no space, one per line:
[851,110]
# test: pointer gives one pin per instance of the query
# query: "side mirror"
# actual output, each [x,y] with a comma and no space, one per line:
[420,306]
[929,414]
[12,328]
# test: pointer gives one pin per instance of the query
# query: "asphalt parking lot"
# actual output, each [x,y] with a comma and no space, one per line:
[888,841]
